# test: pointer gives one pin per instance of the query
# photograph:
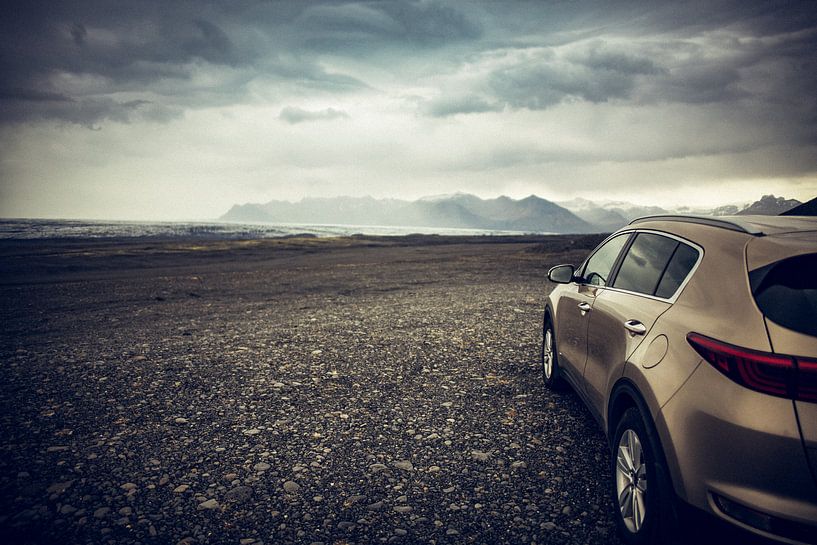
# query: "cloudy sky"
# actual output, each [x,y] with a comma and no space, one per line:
[176,110]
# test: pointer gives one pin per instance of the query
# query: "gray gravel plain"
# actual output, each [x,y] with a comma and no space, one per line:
[363,390]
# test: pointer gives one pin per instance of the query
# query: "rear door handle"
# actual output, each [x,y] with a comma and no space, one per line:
[635,327]
[584,307]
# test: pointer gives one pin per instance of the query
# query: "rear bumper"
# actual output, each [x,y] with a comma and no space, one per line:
[733,452]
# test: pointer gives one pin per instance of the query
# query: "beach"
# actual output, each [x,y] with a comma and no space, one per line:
[296,390]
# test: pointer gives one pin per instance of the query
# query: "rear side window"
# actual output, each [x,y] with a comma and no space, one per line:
[655,265]
[644,263]
[679,266]
[786,292]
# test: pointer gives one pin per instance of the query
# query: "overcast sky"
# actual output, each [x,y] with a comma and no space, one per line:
[176,110]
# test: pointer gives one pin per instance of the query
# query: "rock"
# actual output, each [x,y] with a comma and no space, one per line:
[452,532]
[246,541]
[164,480]
[351,500]
[60,487]
[519,464]
[180,420]
[480,456]
[400,532]
[402,509]
[186,541]
[102,512]
[230,477]
[126,511]
[67,509]
[376,468]
[405,465]
[566,510]
[449,489]
[238,494]
[261,466]
[251,431]
[291,487]
[129,486]
[181,489]
[549,526]
[209,504]
[376,506]
[57,448]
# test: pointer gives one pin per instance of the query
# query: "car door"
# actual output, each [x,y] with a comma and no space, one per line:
[576,303]
[624,312]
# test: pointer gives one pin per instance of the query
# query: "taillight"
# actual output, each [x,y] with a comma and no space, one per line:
[806,379]
[774,374]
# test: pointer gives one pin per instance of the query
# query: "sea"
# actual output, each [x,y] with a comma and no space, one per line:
[99,229]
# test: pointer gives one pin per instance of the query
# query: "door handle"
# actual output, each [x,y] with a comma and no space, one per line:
[584,307]
[635,327]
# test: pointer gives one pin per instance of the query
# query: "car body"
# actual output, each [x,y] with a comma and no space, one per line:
[693,342]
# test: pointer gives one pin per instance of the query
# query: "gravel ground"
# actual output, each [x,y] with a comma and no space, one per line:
[355,391]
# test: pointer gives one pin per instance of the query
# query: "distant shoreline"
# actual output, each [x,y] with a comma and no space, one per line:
[59,259]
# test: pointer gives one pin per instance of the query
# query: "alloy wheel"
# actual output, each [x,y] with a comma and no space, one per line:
[631,481]
[547,354]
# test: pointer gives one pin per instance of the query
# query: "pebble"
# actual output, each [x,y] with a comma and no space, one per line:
[405,465]
[238,494]
[480,456]
[351,500]
[209,504]
[182,488]
[291,487]
[261,466]
[102,512]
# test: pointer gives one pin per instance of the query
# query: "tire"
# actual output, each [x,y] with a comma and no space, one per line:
[549,359]
[641,491]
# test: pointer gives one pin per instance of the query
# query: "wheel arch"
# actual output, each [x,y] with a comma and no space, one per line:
[624,395]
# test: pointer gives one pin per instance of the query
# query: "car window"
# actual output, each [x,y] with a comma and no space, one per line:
[786,292]
[645,262]
[679,266]
[597,269]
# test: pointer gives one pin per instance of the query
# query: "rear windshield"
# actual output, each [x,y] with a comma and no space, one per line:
[786,292]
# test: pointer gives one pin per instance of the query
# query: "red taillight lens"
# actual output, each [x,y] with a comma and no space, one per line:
[771,374]
[806,379]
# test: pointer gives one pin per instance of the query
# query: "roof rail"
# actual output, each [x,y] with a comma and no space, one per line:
[731,224]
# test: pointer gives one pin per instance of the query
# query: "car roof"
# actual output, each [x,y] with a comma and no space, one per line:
[752,225]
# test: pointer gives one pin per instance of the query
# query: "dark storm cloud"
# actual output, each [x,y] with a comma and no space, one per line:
[545,80]
[355,24]
[85,61]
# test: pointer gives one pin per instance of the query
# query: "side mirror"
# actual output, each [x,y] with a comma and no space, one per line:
[561,274]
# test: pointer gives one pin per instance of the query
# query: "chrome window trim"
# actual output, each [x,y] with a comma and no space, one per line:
[683,284]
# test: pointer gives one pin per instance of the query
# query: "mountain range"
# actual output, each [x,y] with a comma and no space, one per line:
[460,210]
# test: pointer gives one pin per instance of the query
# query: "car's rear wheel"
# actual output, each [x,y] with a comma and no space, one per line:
[641,492]
[551,373]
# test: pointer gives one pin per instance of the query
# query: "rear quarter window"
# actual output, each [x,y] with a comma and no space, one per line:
[786,292]
[655,265]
